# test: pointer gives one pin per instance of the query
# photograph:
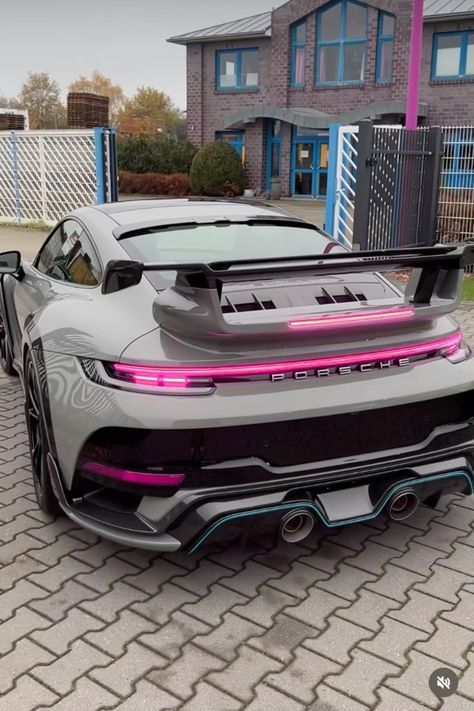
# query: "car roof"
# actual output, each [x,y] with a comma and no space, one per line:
[132,212]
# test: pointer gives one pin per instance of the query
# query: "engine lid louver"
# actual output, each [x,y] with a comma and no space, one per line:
[245,300]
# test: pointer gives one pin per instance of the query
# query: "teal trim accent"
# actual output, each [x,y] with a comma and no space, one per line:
[324,520]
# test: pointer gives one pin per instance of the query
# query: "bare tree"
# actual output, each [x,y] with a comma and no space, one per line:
[41,96]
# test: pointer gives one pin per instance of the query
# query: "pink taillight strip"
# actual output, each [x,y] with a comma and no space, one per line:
[382,317]
[132,477]
[161,381]
[224,371]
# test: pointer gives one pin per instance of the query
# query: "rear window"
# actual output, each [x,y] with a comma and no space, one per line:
[217,243]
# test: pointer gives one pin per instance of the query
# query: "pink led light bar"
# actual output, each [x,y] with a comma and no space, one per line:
[166,375]
[382,317]
[133,477]
[161,381]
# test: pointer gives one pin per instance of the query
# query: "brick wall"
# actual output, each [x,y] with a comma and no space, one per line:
[449,102]
[335,100]
[195,93]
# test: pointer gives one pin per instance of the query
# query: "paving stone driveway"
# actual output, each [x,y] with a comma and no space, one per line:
[351,620]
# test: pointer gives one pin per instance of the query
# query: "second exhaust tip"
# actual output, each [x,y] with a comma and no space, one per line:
[403,505]
[296,526]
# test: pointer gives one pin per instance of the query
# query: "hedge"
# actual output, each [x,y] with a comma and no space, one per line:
[174,185]
[217,170]
[144,155]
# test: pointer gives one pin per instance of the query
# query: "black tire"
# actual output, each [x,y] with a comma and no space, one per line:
[38,442]
[6,357]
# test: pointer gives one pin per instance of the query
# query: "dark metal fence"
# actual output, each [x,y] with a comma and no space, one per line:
[456,195]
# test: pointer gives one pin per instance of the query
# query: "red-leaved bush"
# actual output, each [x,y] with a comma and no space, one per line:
[174,185]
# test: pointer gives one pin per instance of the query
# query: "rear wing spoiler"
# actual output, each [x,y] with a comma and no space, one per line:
[431,260]
[193,303]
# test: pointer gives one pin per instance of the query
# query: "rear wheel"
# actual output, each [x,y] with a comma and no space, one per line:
[6,357]
[38,442]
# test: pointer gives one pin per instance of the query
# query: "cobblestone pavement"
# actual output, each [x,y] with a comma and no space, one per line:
[352,620]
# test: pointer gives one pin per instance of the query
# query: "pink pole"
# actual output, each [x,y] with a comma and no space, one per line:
[414,68]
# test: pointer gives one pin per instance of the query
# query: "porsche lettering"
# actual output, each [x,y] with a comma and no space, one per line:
[342,370]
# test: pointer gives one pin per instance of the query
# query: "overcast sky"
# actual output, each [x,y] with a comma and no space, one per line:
[124,39]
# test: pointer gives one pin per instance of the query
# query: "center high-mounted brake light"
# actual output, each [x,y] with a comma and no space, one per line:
[204,376]
[382,317]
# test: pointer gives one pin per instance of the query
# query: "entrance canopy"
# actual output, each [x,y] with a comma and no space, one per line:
[313,119]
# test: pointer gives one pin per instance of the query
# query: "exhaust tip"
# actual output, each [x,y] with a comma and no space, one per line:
[403,505]
[296,526]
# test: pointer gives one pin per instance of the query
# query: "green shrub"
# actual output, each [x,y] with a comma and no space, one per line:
[145,155]
[174,184]
[217,170]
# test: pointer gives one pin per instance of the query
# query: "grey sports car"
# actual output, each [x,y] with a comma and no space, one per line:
[195,370]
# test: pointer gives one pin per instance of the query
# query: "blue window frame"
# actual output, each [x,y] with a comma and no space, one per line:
[341,43]
[298,54]
[237,69]
[453,55]
[385,36]
[273,151]
[236,139]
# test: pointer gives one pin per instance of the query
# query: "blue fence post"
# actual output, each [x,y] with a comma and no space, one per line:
[113,167]
[15,176]
[332,172]
[99,164]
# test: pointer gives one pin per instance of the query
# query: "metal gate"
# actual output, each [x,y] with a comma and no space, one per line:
[416,187]
[397,186]
[46,174]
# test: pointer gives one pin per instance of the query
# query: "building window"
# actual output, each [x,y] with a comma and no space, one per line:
[341,43]
[236,139]
[298,54]
[237,69]
[385,34]
[453,55]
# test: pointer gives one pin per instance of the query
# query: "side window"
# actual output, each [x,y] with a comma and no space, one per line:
[69,256]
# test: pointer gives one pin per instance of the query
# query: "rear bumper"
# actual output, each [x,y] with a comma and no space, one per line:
[193,518]
[252,487]
[80,408]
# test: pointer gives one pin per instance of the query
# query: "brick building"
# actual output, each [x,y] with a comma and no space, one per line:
[272,84]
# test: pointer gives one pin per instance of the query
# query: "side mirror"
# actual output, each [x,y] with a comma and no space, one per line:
[10,262]
[120,274]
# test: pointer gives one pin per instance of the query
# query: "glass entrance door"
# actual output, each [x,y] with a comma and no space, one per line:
[304,157]
[322,170]
[309,167]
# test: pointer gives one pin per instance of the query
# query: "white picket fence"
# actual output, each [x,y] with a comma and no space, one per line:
[46,174]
